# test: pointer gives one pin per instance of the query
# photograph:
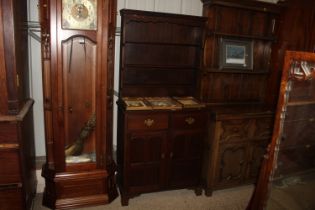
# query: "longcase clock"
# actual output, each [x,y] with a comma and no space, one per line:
[77,57]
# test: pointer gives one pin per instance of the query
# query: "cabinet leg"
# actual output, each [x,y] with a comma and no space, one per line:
[198,191]
[124,200]
[208,192]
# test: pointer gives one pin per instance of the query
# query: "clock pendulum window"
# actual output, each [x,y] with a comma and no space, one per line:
[80,169]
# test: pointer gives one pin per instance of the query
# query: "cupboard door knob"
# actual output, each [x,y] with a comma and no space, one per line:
[149,122]
[70,109]
[162,156]
[190,120]
[171,155]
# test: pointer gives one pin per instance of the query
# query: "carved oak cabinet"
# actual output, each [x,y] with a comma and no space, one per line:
[77,53]
[17,151]
[236,91]
[238,140]
[162,126]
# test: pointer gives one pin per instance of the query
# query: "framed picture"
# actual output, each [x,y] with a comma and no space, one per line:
[236,54]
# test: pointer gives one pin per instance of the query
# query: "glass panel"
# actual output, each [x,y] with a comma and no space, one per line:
[79,14]
[79,68]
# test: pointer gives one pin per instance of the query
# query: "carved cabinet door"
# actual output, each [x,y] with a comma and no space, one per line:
[231,164]
[257,151]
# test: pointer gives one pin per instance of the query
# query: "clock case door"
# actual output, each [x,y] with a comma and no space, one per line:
[77,83]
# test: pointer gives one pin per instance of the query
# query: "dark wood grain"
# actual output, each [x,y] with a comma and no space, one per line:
[78,84]
[160,56]
[3,81]
[17,157]
[15,48]
[159,59]
[237,141]
[240,21]
[297,20]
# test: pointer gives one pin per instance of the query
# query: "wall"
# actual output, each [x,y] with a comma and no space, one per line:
[36,76]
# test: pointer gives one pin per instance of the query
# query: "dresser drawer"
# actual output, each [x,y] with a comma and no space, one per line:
[8,132]
[235,130]
[189,120]
[9,166]
[147,121]
[10,197]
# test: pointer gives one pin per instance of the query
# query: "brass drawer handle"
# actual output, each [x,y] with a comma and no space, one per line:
[9,146]
[190,120]
[149,122]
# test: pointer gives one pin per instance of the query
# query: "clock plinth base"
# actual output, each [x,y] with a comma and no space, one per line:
[74,190]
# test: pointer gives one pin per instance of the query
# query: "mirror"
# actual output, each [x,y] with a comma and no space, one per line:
[287,176]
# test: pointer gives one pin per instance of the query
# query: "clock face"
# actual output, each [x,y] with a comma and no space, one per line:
[79,14]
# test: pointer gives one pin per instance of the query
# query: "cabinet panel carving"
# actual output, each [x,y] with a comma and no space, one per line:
[263,128]
[231,163]
[237,143]
[234,130]
[257,152]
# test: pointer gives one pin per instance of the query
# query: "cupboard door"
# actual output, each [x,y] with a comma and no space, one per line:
[10,171]
[231,164]
[11,198]
[185,158]
[257,151]
[145,155]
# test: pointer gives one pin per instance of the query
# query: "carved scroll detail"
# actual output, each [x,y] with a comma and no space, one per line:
[302,70]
